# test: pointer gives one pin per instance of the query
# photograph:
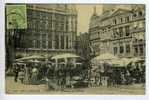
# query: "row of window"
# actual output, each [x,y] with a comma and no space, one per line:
[39,14]
[44,44]
[121,31]
[117,32]
[61,41]
[46,25]
[42,41]
[45,15]
[102,33]
[127,18]
[48,44]
[139,49]
[121,49]
[36,24]
[138,14]
[121,20]
[43,20]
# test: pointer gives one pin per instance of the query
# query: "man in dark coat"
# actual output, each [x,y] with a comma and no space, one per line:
[16,72]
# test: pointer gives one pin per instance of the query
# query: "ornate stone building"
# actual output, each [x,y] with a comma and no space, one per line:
[83,45]
[119,31]
[51,29]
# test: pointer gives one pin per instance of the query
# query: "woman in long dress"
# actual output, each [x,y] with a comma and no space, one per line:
[34,76]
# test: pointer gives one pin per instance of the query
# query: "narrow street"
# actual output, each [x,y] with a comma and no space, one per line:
[18,88]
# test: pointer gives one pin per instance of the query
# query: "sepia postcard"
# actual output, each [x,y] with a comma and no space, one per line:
[75,49]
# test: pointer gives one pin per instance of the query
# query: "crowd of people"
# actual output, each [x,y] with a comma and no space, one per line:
[27,74]
[118,75]
[63,75]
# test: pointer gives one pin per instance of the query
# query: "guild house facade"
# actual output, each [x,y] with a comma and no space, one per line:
[51,29]
[119,30]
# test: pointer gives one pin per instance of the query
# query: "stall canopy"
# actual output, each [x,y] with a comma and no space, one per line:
[120,62]
[65,55]
[30,58]
[103,58]
[111,59]
[106,56]
[136,59]
[125,61]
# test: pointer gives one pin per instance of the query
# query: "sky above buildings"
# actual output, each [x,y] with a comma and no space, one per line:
[84,14]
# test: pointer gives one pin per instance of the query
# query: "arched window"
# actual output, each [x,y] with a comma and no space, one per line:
[134,15]
[121,49]
[140,13]
[115,50]
[128,48]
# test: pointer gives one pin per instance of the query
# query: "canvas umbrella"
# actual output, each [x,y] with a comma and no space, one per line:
[125,61]
[30,58]
[65,55]
[104,58]
[135,59]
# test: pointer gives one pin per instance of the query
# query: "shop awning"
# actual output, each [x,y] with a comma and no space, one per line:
[65,55]
[106,56]
[30,58]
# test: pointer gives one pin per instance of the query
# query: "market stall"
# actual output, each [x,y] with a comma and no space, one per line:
[67,67]
[33,69]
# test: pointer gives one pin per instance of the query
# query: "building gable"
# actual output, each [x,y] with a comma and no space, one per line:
[119,12]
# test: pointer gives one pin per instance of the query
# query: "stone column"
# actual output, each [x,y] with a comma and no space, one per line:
[138,50]
[53,30]
[118,48]
[59,41]
[69,25]
[124,45]
[40,41]
[47,41]
[70,41]
[131,48]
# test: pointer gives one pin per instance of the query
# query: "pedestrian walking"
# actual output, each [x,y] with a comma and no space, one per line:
[22,74]
[16,71]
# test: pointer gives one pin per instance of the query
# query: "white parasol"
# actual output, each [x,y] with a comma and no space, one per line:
[65,55]
[104,58]
[30,58]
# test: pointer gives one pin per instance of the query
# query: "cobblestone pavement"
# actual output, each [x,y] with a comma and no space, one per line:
[18,88]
